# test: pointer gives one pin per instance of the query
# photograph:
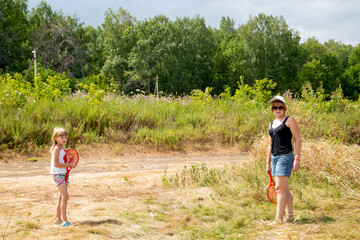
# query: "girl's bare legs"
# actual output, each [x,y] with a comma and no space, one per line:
[64,197]
[58,211]
[284,198]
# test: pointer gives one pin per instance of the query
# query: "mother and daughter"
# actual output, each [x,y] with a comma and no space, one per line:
[280,161]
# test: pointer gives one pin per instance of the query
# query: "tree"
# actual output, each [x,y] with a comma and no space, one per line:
[94,50]
[312,71]
[341,51]
[147,55]
[117,39]
[271,50]
[59,40]
[179,53]
[228,61]
[14,50]
[350,81]
[322,65]
[188,59]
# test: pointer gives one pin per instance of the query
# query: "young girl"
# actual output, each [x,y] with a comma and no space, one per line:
[280,158]
[58,169]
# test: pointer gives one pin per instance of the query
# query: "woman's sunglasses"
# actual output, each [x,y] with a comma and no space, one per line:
[277,108]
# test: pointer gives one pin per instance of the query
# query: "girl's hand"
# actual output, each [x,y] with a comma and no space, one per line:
[296,165]
[73,165]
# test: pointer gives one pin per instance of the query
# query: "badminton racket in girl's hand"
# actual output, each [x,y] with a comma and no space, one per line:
[71,156]
[271,193]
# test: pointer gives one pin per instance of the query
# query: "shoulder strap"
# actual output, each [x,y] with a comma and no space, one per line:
[286,119]
[55,145]
[271,123]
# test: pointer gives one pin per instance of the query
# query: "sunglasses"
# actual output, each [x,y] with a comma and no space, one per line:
[277,108]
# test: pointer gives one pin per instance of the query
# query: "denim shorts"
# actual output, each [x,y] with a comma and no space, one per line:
[282,164]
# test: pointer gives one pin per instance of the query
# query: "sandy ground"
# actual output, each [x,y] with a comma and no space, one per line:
[111,197]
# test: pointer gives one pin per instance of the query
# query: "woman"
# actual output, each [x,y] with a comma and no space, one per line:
[280,157]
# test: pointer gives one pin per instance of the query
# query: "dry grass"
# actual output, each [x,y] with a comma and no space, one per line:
[111,196]
[326,196]
[125,197]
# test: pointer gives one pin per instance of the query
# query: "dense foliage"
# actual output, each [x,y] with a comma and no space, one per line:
[183,55]
[93,113]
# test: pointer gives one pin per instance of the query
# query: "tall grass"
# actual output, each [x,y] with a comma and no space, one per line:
[167,122]
[325,192]
[170,123]
[95,113]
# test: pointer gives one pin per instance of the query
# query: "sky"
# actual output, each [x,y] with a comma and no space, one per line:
[322,19]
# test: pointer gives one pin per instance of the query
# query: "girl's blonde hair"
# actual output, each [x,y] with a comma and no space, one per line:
[58,132]
[278,103]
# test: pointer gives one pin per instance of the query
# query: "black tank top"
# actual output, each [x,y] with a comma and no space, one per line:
[281,138]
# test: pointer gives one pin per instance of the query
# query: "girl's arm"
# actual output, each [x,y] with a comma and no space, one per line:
[296,134]
[268,157]
[56,160]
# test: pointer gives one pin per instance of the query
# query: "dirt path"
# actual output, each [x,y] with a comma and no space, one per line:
[126,165]
[110,196]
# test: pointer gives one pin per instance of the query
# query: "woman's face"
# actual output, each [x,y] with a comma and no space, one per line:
[278,109]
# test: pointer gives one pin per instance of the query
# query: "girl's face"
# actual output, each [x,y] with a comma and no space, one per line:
[61,140]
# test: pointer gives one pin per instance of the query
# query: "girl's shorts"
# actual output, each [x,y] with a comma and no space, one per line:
[60,179]
[282,164]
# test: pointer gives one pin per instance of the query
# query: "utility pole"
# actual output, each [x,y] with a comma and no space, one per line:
[35,62]
[156,91]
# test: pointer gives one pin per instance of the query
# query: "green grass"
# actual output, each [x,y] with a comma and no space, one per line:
[168,123]
[161,123]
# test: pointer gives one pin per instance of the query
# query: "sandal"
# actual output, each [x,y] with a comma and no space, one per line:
[289,219]
[66,224]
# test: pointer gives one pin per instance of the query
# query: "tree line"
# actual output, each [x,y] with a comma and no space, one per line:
[184,54]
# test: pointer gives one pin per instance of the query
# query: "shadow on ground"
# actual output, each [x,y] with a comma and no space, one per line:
[97,223]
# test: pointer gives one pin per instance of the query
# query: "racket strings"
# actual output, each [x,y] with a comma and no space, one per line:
[72,157]
[272,193]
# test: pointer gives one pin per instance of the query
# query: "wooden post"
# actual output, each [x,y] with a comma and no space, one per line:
[27,72]
[156,90]
[35,62]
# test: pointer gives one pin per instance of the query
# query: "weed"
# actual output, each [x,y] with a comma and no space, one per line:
[26,225]
[35,159]
[3,232]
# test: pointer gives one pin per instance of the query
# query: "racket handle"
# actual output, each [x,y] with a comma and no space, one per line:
[271,179]
[67,175]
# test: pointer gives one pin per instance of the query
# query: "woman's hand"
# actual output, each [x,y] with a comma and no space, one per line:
[268,168]
[296,165]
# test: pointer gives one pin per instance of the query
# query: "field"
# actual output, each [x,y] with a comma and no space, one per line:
[190,167]
[116,197]
[147,194]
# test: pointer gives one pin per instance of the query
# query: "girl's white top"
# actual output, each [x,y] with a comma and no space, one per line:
[53,169]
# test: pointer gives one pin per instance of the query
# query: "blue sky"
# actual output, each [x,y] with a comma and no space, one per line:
[322,19]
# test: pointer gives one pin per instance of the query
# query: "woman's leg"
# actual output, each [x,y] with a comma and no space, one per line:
[289,207]
[64,198]
[284,198]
